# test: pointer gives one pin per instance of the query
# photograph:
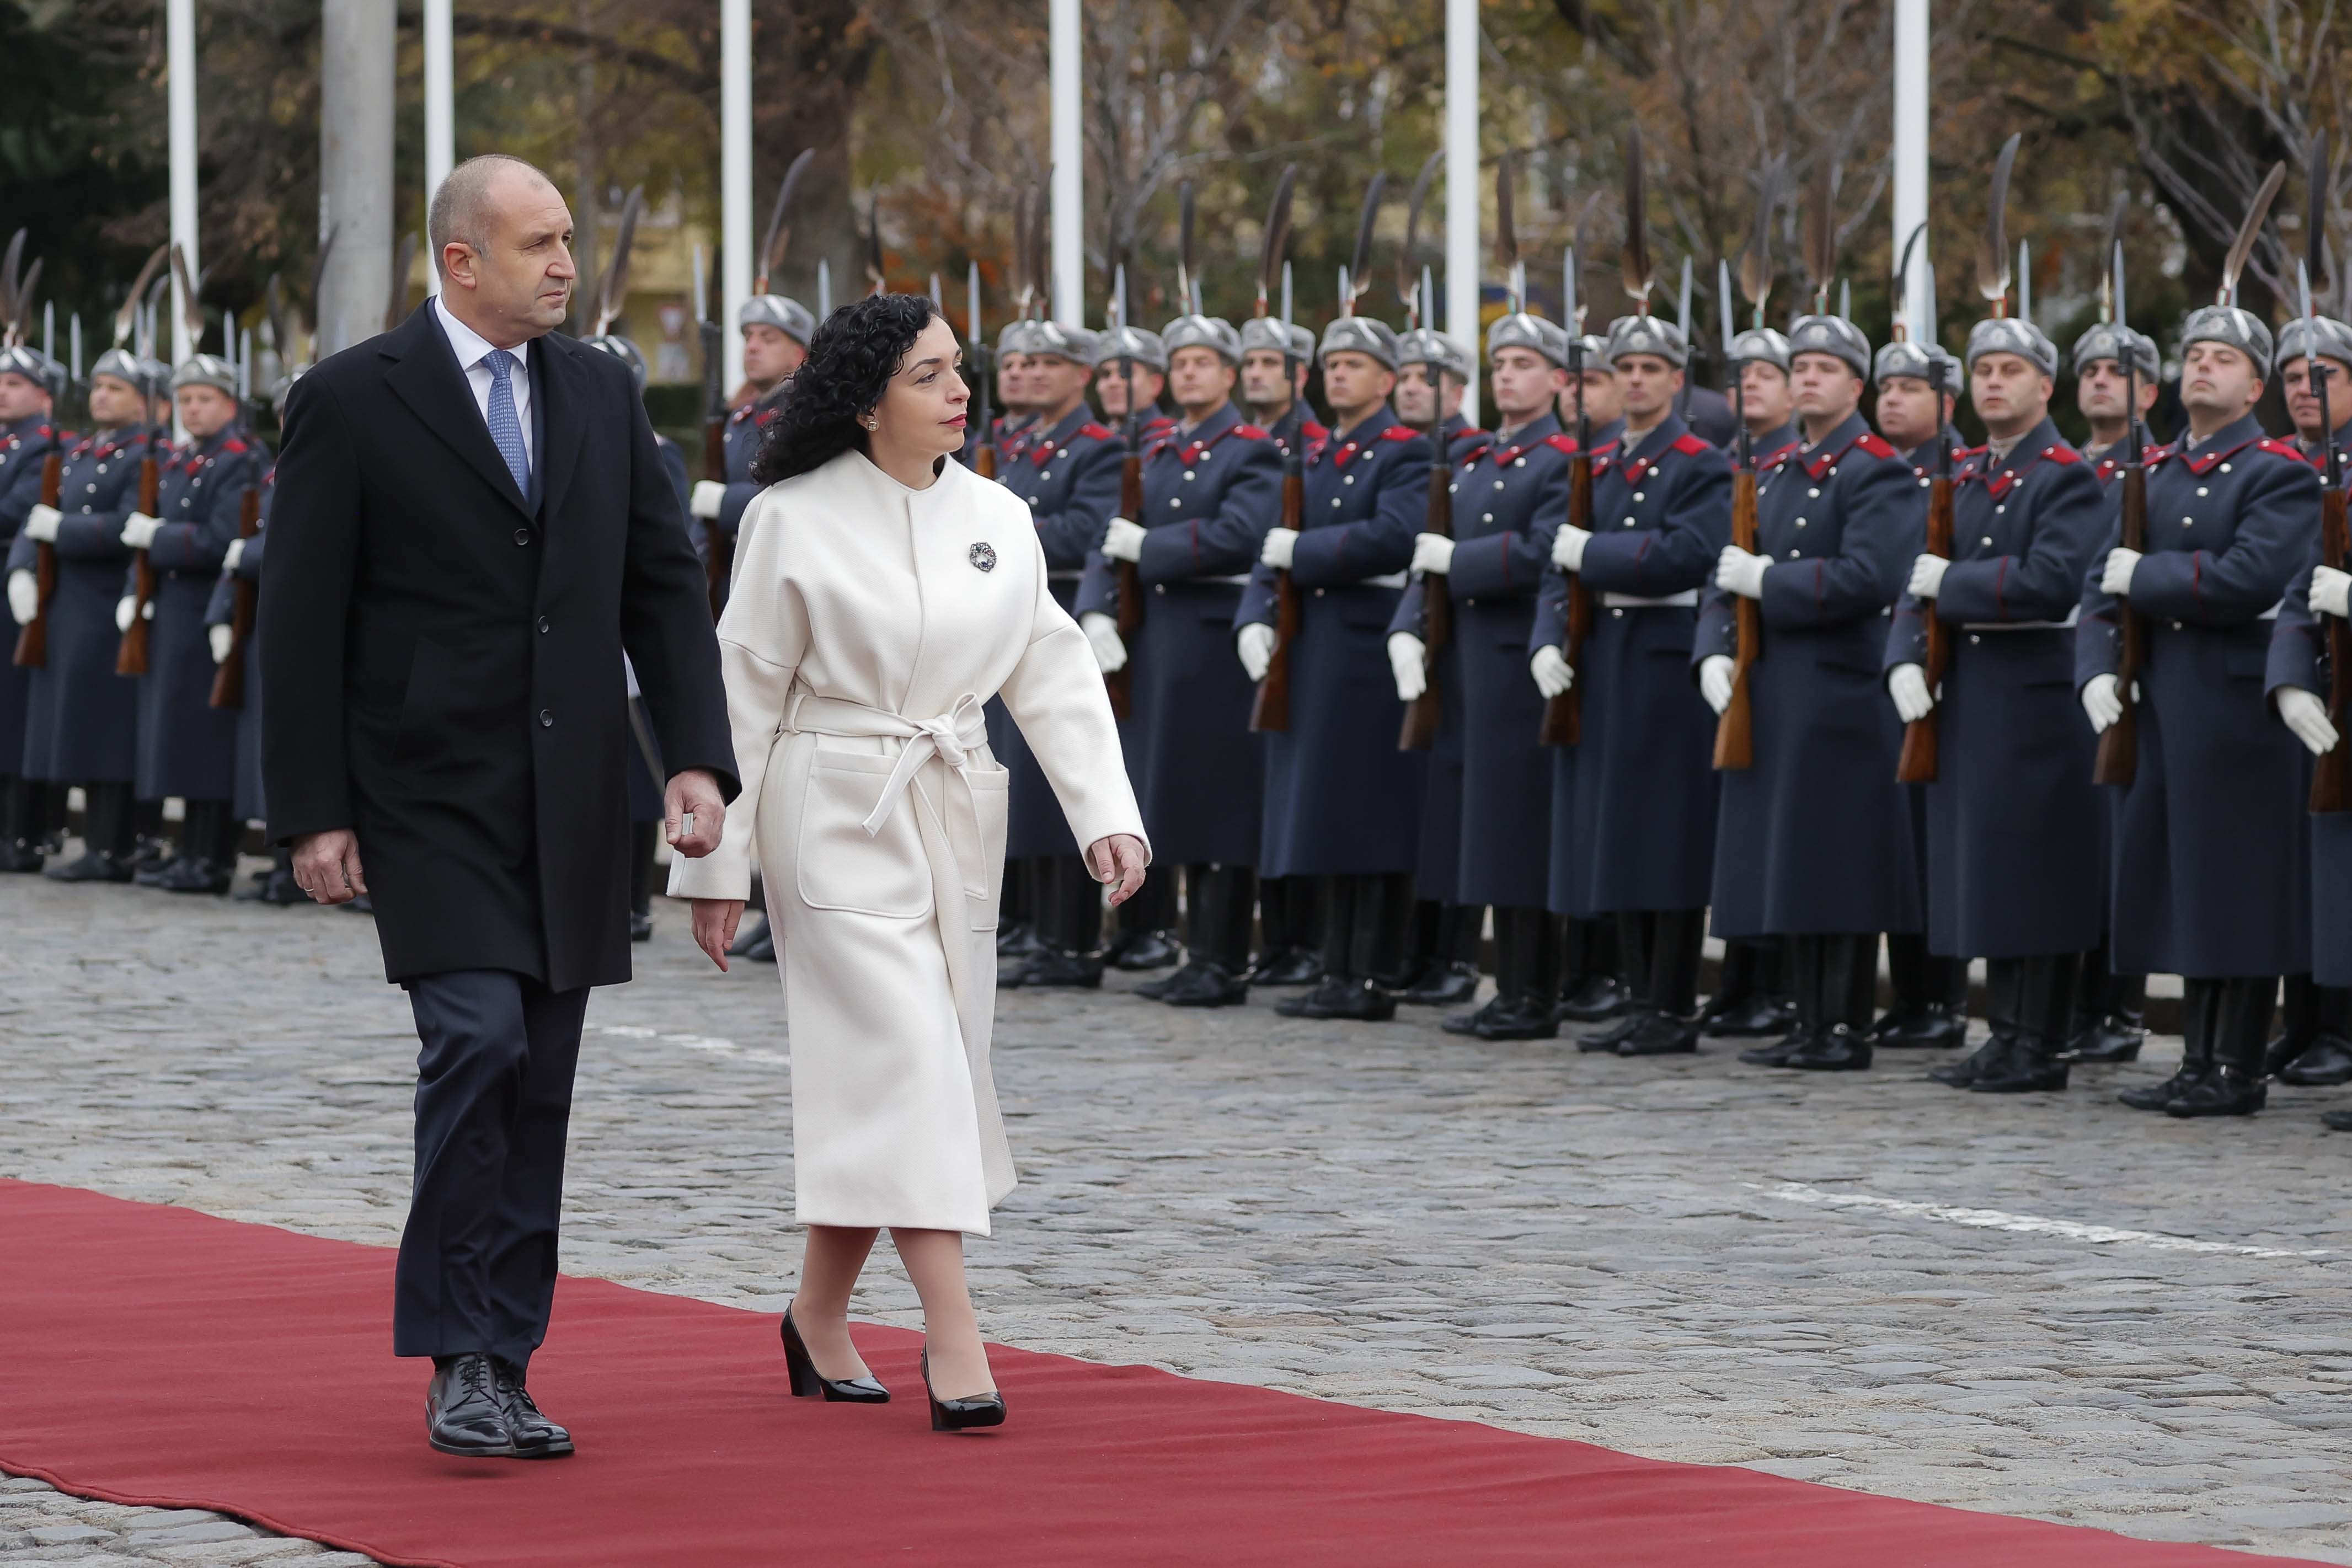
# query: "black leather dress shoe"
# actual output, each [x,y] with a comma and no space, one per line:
[1742,1016]
[1520,1019]
[1602,1041]
[1017,940]
[1776,1054]
[1207,984]
[1661,1034]
[1157,990]
[1446,986]
[1360,1000]
[1074,971]
[1146,950]
[465,1414]
[91,867]
[1932,1028]
[2224,1092]
[1597,998]
[1841,1049]
[1963,1074]
[20,856]
[2337,1120]
[2027,1069]
[1287,966]
[196,873]
[2327,1064]
[2114,1038]
[535,1436]
[2157,1097]
[276,887]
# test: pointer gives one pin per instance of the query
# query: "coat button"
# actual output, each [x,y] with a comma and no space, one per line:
[1925,482]
[1988,541]
[522,536]
[1188,474]
[546,719]
[2186,522]
[1335,500]
[1498,483]
[1618,614]
[1639,497]
[1628,522]
[2200,489]
[2225,467]
[1801,522]
[1318,593]
[542,625]
[1792,554]
[1813,494]
[1518,461]
[1485,516]
[2176,626]
[102,468]
[1351,479]
[1160,588]
[1451,489]
[1044,474]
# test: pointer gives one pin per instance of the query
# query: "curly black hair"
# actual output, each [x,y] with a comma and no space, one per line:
[850,362]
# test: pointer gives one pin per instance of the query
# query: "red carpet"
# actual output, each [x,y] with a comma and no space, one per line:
[159,1356]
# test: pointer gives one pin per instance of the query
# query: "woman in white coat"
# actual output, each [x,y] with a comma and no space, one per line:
[884,593]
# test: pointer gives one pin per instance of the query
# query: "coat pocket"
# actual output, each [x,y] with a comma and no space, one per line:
[838,864]
[991,799]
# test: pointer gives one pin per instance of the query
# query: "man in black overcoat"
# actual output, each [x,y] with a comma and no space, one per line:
[472,525]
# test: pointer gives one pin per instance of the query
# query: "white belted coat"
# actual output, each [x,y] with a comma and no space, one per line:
[868,624]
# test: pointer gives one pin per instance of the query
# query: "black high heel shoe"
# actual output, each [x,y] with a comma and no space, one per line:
[807,1380]
[962,1415]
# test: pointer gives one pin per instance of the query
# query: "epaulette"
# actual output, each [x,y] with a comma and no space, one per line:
[2062,454]
[2272,445]
[1399,433]
[1561,441]
[1098,431]
[1474,449]
[2153,455]
[1312,431]
[1470,429]
[1873,443]
[1688,445]
[1251,432]
[232,445]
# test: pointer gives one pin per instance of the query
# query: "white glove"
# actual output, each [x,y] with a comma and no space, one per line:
[2330,588]
[1280,545]
[1737,571]
[2305,714]
[1714,680]
[1550,668]
[138,530]
[122,608]
[221,637]
[1432,553]
[2099,700]
[2117,578]
[1907,685]
[235,554]
[1123,540]
[1255,642]
[1568,547]
[1409,661]
[24,597]
[1102,632]
[1927,577]
[41,523]
[705,499]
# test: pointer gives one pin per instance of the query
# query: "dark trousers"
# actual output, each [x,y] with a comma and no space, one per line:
[476,1269]
[1153,907]
[1068,902]
[1833,977]
[1218,900]
[2103,994]
[1290,914]
[2033,999]
[108,818]
[1364,920]
[1660,949]
[1919,979]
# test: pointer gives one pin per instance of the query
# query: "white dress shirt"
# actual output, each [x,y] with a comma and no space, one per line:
[474,352]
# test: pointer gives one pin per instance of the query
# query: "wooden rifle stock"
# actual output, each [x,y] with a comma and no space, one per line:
[131,658]
[1735,731]
[1917,762]
[1130,585]
[718,565]
[1422,714]
[983,462]
[228,681]
[1564,716]
[2118,758]
[1270,711]
[33,639]
[2331,780]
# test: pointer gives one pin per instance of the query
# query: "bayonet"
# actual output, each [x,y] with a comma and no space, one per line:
[1270,262]
[1360,275]
[1993,250]
[191,312]
[779,237]
[1185,284]
[1633,265]
[2024,281]
[1408,256]
[1756,260]
[126,320]
[876,273]
[1901,326]
[2257,213]
[1821,232]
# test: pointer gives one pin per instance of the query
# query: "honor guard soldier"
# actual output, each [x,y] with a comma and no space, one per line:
[1814,840]
[2313,1052]
[1767,398]
[1274,381]
[1431,364]
[1016,400]
[82,719]
[2110,1010]
[776,332]
[30,384]
[1506,490]
[242,565]
[1065,466]
[187,748]
[2210,861]
[1599,395]
[1931,992]
[1211,487]
[2013,820]
[1342,803]
[1634,801]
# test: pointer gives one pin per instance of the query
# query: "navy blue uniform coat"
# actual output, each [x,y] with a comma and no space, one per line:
[248,802]
[25,447]
[2298,657]
[188,747]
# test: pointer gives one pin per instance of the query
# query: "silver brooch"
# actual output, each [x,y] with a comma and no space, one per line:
[982,555]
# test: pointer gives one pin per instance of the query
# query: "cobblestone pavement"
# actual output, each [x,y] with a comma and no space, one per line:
[2048,1305]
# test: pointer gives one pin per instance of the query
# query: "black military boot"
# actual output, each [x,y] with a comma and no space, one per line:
[1673,938]
[2036,1059]
[106,837]
[1290,935]
[2328,1062]
[20,838]
[1800,969]
[1218,952]
[196,869]
[2200,1006]
[2237,1086]
[1593,988]
[1144,937]
[1527,976]
[1451,977]
[1849,975]
[277,885]
[1920,1014]
[1506,977]
[2004,1005]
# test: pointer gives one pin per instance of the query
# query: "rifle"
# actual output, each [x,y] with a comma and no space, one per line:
[2331,780]
[1917,762]
[1422,714]
[131,658]
[1119,682]
[1564,716]
[2118,761]
[1735,731]
[1270,710]
[33,640]
[718,565]
[983,457]
[228,681]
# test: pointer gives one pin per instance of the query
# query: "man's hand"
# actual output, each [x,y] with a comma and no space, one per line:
[1280,543]
[1123,540]
[1928,576]
[138,530]
[1714,680]
[704,501]
[235,554]
[2117,577]
[24,597]
[1568,547]
[1552,671]
[1432,554]
[1118,859]
[693,816]
[1255,643]
[41,523]
[1907,685]
[327,866]
[1102,635]
[1737,571]
[715,920]
[1409,662]
[223,637]
[2330,588]
[2305,714]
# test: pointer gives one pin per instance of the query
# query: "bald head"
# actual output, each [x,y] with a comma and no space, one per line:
[501,240]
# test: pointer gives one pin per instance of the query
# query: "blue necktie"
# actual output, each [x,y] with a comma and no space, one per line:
[505,429]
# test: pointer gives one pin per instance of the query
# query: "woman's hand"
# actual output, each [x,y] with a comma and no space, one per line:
[1117,858]
[715,920]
